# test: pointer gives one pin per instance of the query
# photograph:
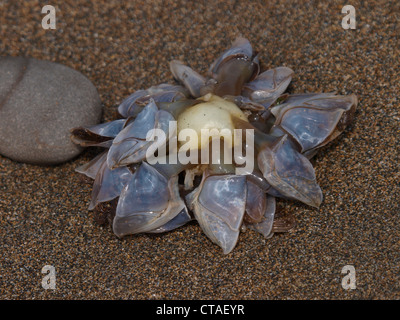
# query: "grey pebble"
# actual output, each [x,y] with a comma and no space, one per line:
[40,101]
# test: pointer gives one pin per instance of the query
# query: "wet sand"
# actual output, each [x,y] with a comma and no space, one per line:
[124,46]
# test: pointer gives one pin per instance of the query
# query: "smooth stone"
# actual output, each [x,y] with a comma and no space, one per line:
[40,101]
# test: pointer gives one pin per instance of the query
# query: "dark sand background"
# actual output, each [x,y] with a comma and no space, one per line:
[123,46]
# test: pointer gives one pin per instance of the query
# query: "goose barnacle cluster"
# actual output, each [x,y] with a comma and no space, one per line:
[286,131]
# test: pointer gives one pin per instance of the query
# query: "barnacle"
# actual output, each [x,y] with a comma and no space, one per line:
[257,122]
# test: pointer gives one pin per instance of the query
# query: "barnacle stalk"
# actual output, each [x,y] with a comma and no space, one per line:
[217,149]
